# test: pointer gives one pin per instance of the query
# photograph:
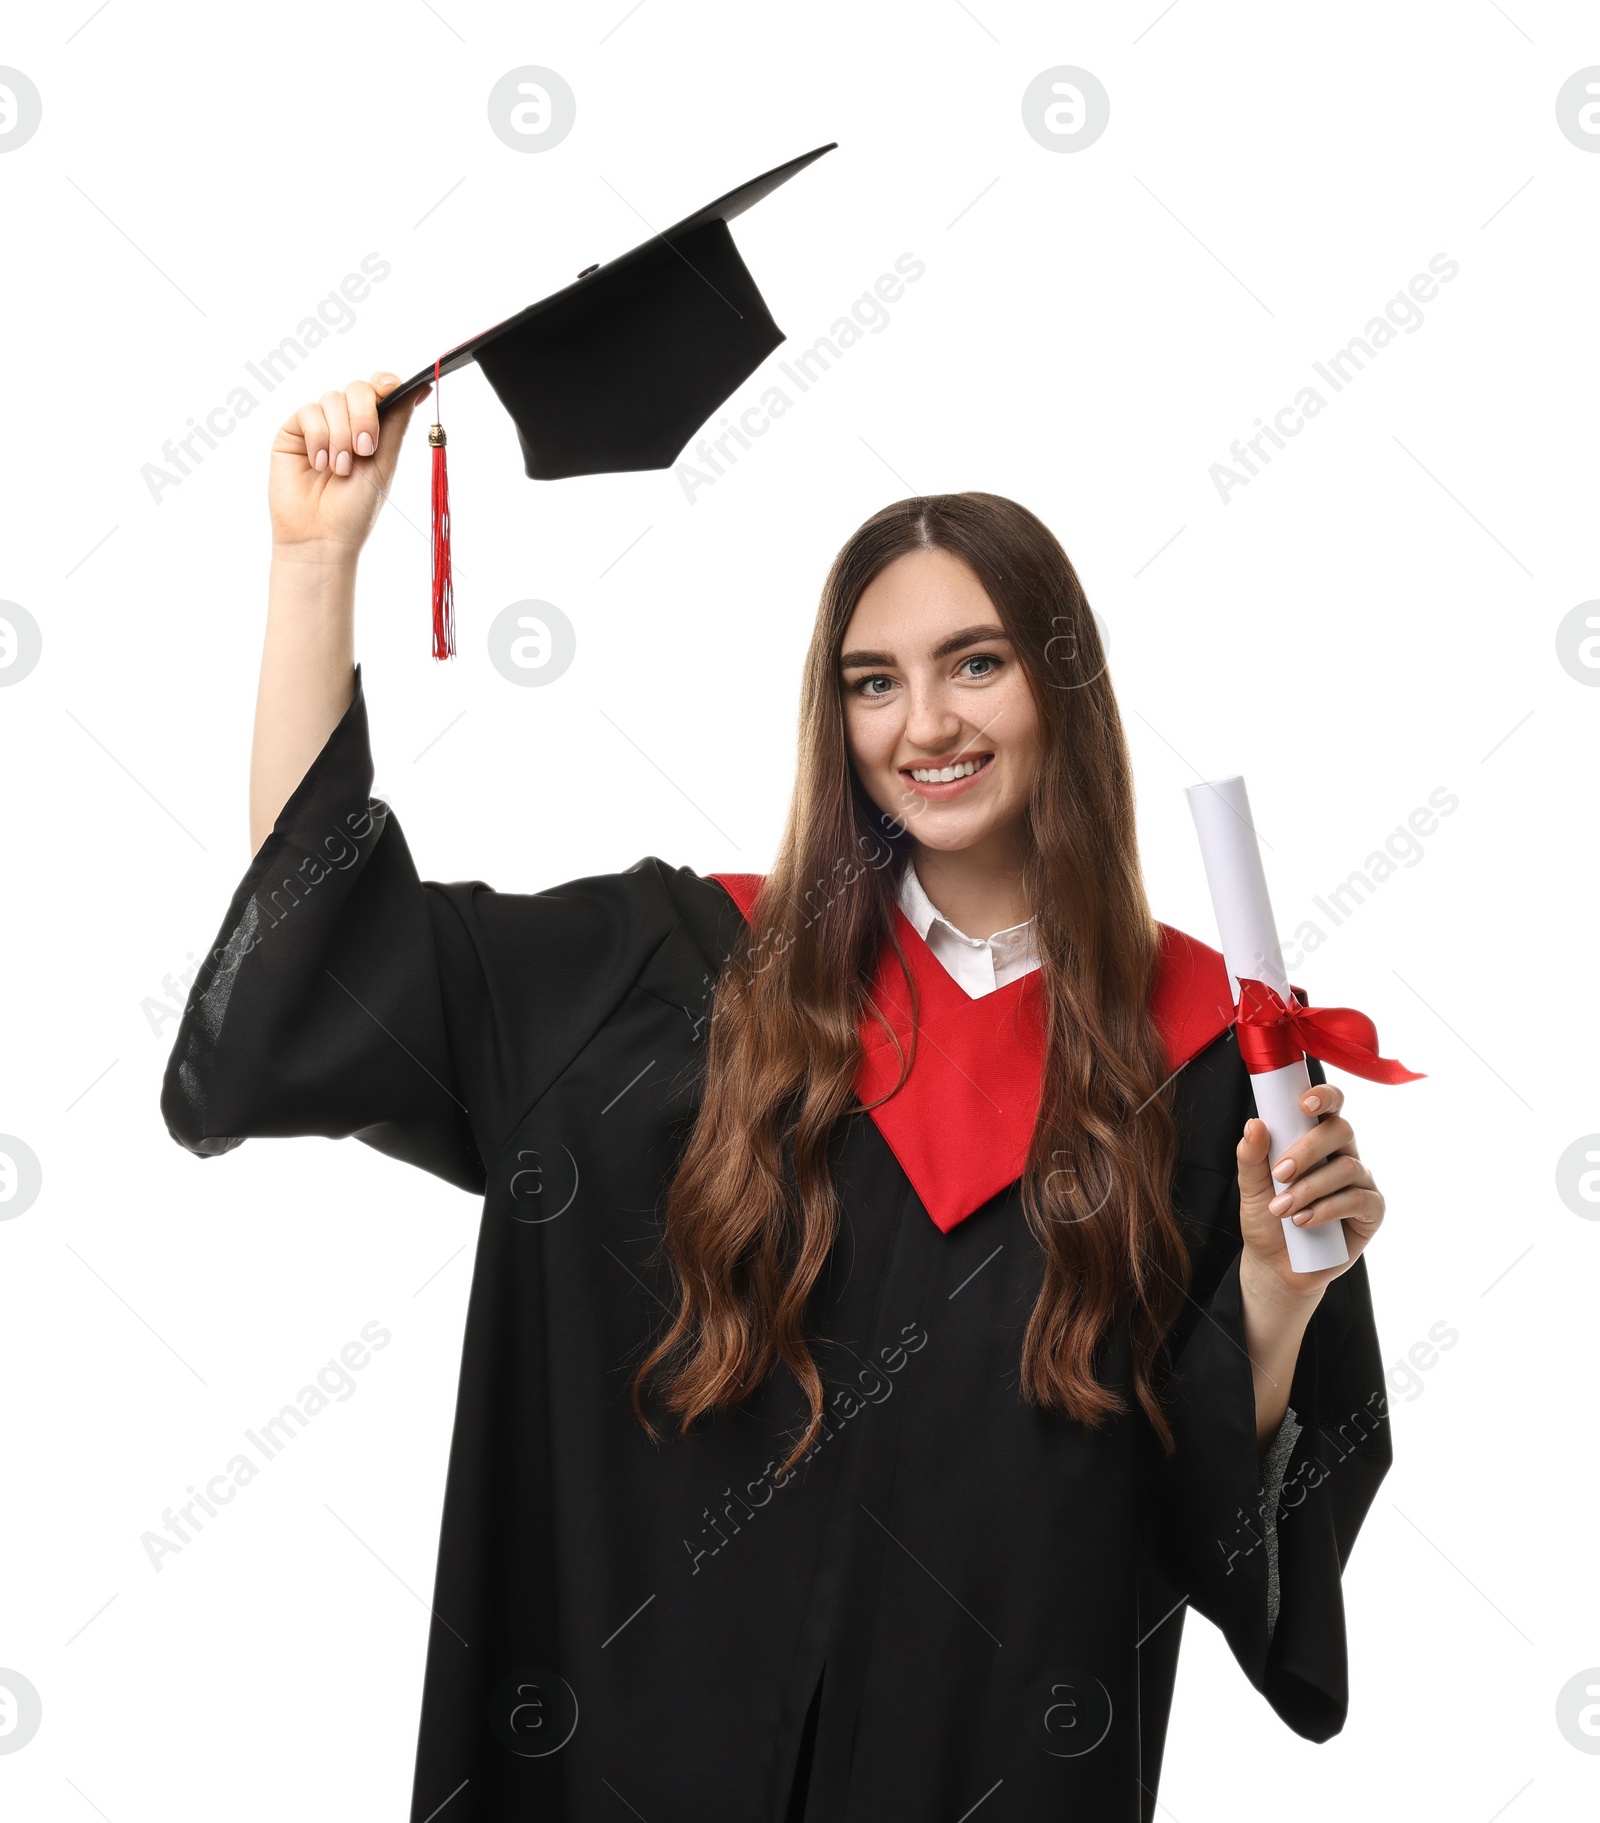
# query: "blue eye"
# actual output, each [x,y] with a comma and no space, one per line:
[860,685]
[985,658]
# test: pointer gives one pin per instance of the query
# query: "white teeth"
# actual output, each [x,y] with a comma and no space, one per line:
[942,775]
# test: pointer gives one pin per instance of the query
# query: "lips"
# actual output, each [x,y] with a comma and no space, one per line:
[940,788]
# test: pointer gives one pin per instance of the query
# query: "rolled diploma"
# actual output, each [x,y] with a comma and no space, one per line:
[1238,883]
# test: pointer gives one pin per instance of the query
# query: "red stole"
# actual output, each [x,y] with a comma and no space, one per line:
[962,1122]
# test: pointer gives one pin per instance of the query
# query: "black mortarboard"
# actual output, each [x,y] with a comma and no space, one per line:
[620,368]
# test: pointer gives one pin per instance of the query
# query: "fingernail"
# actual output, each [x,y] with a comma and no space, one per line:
[388,379]
[1284,1168]
[1311,1104]
[364,443]
[321,459]
[1303,1217]
[1280,1203]
[342,464]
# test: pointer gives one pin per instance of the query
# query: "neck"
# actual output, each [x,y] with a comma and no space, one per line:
[979,889]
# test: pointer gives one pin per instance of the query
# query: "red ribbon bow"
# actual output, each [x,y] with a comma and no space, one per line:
[1274,1032]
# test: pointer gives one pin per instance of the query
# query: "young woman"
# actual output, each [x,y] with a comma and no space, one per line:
[881,1328]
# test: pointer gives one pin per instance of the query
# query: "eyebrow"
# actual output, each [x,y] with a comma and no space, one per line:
[957,642]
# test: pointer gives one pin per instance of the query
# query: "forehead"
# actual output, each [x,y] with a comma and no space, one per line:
[916,600]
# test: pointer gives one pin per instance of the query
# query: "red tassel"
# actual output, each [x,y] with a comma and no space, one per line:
[444,621]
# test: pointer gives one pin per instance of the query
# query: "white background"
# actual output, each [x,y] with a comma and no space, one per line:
[1371,618]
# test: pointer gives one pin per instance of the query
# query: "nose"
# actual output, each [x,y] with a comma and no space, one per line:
[933,723]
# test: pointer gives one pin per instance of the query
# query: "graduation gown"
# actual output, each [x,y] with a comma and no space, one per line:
[956,1599]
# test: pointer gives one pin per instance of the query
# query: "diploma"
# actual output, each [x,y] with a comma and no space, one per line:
[1251,950]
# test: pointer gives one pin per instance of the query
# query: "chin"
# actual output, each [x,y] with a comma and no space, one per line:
[949,841]
[948,827]
[944,831]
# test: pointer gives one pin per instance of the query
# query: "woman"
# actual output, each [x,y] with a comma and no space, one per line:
[770,1496]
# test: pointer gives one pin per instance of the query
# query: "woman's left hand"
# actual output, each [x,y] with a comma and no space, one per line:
[1326,1182]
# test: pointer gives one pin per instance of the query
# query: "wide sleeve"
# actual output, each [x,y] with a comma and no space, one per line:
[1258,1541]
[345,996]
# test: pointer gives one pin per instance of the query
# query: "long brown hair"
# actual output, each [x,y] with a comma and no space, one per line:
[751,1212]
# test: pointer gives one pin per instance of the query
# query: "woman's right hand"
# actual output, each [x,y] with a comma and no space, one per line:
[331,468]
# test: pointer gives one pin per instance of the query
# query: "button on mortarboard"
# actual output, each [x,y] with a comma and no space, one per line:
[618,370]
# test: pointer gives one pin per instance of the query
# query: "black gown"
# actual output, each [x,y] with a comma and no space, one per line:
[958,1604]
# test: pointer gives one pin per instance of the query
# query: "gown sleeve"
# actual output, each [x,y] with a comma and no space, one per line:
[1258,1541]
[345,996]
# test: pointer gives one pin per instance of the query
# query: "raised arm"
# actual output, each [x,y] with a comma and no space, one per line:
[331,470]
[344,995]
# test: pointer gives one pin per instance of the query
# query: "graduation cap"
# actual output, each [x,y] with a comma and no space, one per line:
[618,370]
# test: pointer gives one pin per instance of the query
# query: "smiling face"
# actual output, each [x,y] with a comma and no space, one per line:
[940,719]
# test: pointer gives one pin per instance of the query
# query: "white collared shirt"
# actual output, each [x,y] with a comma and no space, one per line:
[978,965]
